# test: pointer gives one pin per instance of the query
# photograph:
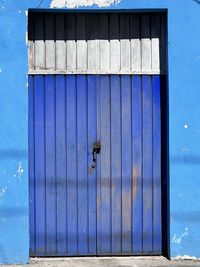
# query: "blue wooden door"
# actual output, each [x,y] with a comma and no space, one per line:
[114,208]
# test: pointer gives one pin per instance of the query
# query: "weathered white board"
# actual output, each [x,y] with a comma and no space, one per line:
[126,43]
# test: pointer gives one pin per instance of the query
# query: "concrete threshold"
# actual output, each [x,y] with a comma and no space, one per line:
[147,261]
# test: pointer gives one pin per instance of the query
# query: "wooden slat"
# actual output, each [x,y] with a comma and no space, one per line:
[81,42]
[49,42]
[71,41]
[155,42]
[50,165]
[116,177]
[146,42]
[125,42]
[61,159]
[82,167]
[39,47]
[137,164]
[60,42]
[114,42]
[93,42]
[104,43]
[147,167]
[126,163]
[136,63]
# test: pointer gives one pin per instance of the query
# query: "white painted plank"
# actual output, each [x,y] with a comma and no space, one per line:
[39,47]
[155,44]
[146,42]
[114,42]
[81,42]
[60,42]
[136,61]
[104,47]
[125,41]
[31,53]
[71,41]
[49,42]
[93,41]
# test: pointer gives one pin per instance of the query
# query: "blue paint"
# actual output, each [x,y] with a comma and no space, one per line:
[183,66]
[67,215]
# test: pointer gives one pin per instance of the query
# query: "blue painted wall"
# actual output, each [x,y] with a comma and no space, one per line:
[184,124]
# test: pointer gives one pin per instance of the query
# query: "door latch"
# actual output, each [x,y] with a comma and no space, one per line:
[96,150]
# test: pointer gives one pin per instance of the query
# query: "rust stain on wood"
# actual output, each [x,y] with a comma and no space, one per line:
[135,175]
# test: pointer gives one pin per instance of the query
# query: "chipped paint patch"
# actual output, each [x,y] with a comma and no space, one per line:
[3,191]
[185,149]
[177,239]
[20,169]
[82,3]
[186,126]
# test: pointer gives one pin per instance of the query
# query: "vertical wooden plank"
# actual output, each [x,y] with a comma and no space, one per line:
[40,174]
[39,47]
[114,42]
[31,43]
[61,183]
[93,41]
[147,164]
[31,139]
[126,163]
[146,43]
[81,36]
[155,42]
[82,164]
[137,164]
[51,242]
[92,174]
[71,165]
[125,42]
[157,237]
[60,42]
[71,41]
[135,36]
[116,163]
[104,46]
[50,42]
[105,197]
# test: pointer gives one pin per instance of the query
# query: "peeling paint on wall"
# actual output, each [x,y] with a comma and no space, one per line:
[177,239]
[3,191]
[20,169]
[79,3]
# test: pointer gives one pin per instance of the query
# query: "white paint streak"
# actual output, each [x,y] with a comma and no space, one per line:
[0,70]
[185,149]
[20,169]
[79,3]
[3,191]
[26,13]
[177,239]
[186,126]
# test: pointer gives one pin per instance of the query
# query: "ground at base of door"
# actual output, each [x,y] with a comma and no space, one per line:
[110,262]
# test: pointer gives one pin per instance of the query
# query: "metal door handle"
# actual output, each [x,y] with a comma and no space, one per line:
[96,150]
